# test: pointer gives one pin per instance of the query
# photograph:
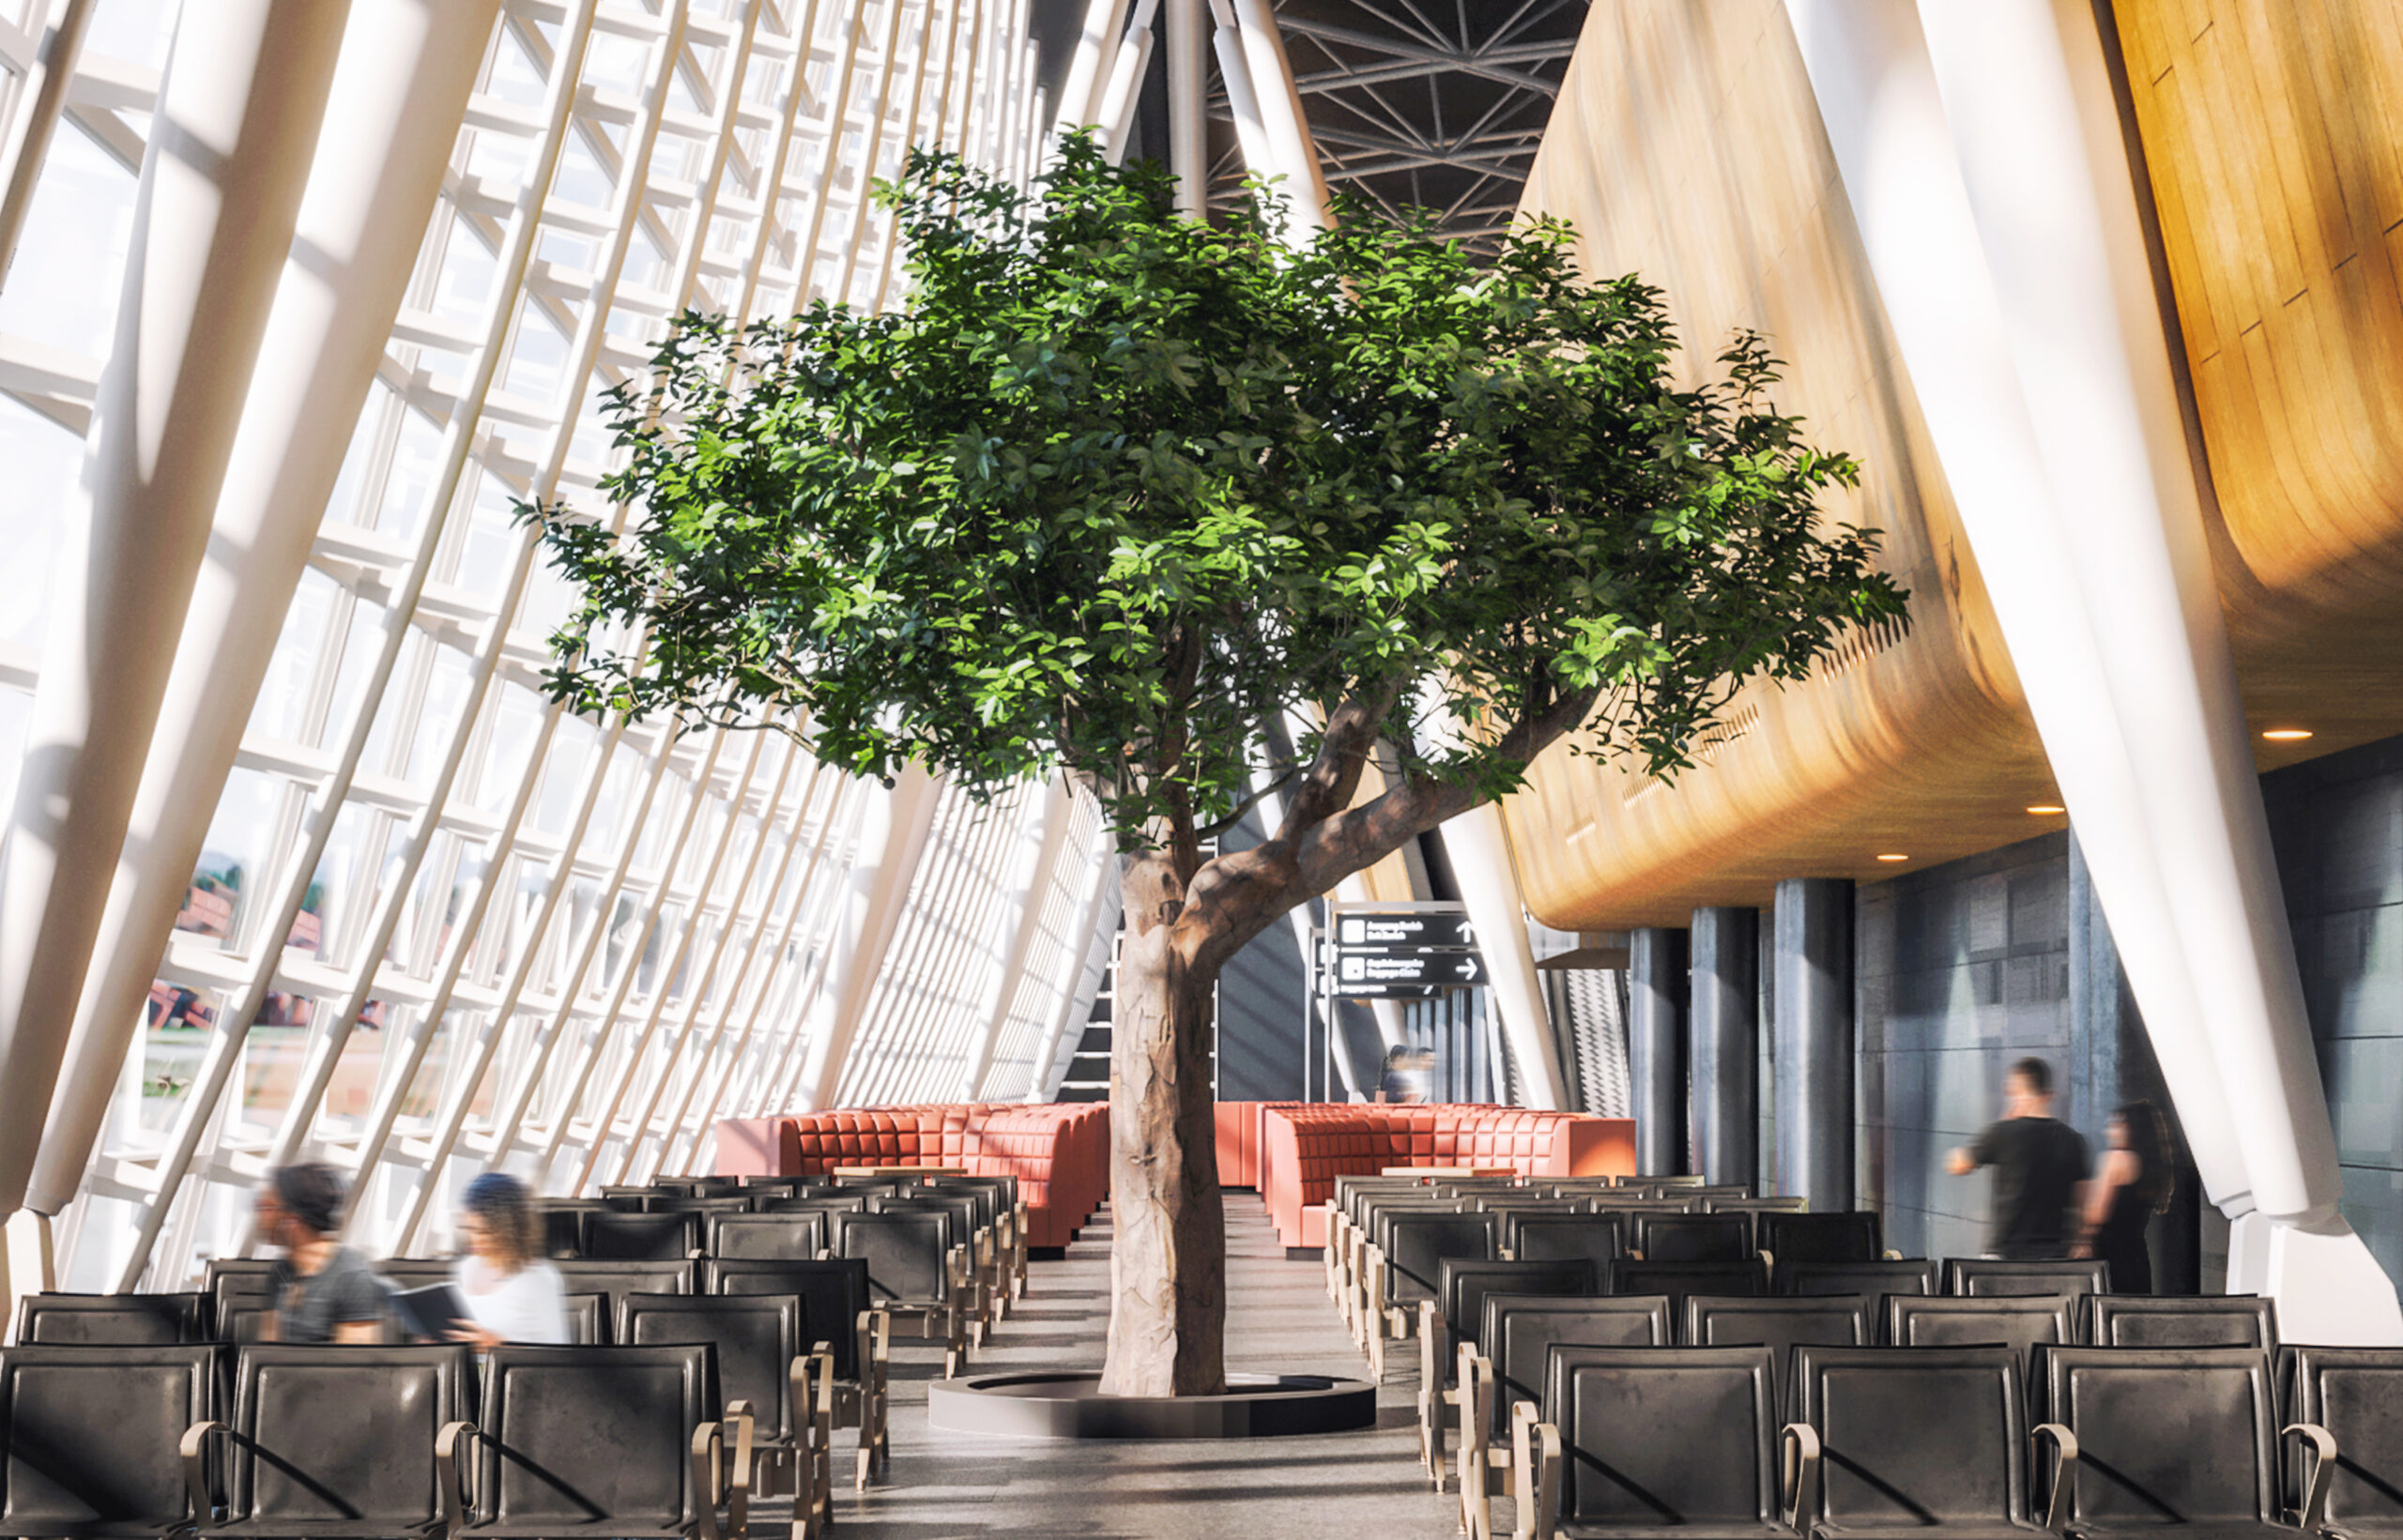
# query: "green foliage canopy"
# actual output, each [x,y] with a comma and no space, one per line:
[1116,487]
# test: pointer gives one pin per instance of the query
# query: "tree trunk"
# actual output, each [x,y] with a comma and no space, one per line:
[1168,1263]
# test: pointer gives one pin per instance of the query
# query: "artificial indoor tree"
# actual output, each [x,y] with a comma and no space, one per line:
[1116,488]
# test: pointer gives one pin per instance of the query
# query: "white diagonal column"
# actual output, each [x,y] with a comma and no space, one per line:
[228,155]
[1043,840]
[1983,161]
[406,70]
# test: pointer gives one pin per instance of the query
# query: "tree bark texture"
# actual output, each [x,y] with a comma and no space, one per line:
[1168,1262]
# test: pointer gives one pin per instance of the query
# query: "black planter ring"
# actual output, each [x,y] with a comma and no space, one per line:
[1071,1406]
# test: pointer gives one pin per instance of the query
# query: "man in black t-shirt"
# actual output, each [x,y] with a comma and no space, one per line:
[2039,1166]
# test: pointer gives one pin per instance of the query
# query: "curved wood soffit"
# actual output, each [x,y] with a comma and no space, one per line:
[1685,146]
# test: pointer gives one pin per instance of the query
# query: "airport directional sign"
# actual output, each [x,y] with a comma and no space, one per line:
[1386,932]
[1394,973]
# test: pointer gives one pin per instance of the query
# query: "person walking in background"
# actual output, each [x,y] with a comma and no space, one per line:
[2139,1172]
[512,1293]
[325,1291]
[2039,1163]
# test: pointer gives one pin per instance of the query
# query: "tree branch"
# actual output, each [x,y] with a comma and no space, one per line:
[1343,747]
[1235,814]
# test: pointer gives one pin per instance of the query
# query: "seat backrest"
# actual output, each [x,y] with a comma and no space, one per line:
[1871,1281]
[588,1319]
[2167,1435]
[2022,1322]
[1520,1331]
[1680,1279]
[1976,1277]
[815,1203]
[967,1209]
[1694,1237]
[1378,1211]
[1781,1325]
[1927,1435]
[1850,1237]
[757,1338]
[1417,1245]
[1462,1283]
[2145,1320]
[1776,1203]
[799,1236]
[124,1319]
[342,1433]
[834,1292]
[581,1436]
[1509,1204]
[90,1433]
[243,1320]
[562,1222]
[2357,1395]
[1663,1437]
[641,1236]
[417,1272]
[685,1203]
[905,1253]
[592,1275]
[1599,1238]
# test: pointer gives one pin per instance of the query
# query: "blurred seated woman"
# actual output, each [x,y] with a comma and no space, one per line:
[511,1293]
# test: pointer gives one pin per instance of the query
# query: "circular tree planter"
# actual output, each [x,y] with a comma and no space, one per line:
[1071,1406]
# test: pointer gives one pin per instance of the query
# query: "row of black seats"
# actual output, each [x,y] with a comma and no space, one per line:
[2108,1443]
[113,1442]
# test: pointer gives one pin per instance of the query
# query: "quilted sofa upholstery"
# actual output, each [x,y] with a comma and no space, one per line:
[1059,1152]
[1305,1146]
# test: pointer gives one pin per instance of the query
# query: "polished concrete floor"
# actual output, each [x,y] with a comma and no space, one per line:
[1278,1318]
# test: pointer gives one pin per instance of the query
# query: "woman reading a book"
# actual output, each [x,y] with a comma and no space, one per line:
[511,1294]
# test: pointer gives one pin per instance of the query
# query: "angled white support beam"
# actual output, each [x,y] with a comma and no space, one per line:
[214,211]
[1479,848]
[893,840]
[41,96]
[1083,960]
[403,76]
[1981,154]
[1043,841]
[1089,67]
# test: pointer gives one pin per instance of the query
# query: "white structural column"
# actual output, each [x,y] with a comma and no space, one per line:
[41,96]
[891,839]
[1479,848]
[1188,107]
[403,77]
[1089,68]
[1982,160]
[221,187]
[1041,841]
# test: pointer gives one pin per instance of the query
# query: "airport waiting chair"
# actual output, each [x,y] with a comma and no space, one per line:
[836,1296]
[699,1207]
[1599,1237]
[1679,1280]
[917,1273]
[1009,1226]
[1457,1315]
[1648,1443]
[1849,1237]
[128,1320]
[792,1237]
[1368,1236]
[1932,1441]
[826,1202]
[1775,1204]
[245,1321]
[239,1283]
[570,1442]
[91,1434]
[775,1379]
[588,1319]
[1871,1281]
[1985,1275]
[2348,1404]
[647,1237]
[2162,1438]
[562,1223]
[1405,1266]
[1519,1200]
[1692,1237]
[1517,1335]
[1690,1180]
[335,1443]
[2220,1320]
[614,1279]
[2022,1322]
[1779,1325]
[629,1199]
[975,1215]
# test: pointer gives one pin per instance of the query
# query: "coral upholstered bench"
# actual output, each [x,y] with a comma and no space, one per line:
[1305,1146]
[1059,1152]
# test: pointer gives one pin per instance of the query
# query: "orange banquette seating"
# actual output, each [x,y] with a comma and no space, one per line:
[1059,1152]
[1305,1146]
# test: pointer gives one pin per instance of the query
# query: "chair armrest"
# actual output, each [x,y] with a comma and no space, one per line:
[709,1448]
[1769,1258]
[2062,1475]
[2314,1516]
[450,1477]
[1894,1255]
[200,1481]
[1373,1267]
[1535,1460]
[1798,1474]
[1430,1348]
